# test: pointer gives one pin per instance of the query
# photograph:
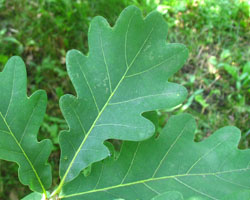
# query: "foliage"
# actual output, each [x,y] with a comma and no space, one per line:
[20,118]
[211,169]
[91,115]
[42,31]
[125,74]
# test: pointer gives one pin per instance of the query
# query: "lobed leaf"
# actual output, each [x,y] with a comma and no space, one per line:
[20,119]
[211,169]
[125,74]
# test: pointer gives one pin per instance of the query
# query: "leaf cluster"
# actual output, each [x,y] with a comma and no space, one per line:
[125,74]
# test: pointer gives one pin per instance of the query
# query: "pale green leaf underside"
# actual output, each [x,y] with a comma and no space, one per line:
[20,119]
[124,75]
[211,169]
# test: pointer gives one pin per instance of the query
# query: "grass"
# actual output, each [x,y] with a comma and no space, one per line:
[217,74]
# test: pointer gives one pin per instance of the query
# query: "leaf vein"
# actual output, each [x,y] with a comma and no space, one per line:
[106,65]
[99,178]
[12,91]
[225,180]
[26,125]
[24,153]
[153,179]
[90,89]
[204,155]
[195,190]
[171,147]
[78,118]
[153,67]
[150,188]
[121,125]
[131,164]
[4,131]
[98,116]
[143,97]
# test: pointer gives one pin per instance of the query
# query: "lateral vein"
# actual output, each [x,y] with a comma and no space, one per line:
[24,153]
[153,179]
[100,113]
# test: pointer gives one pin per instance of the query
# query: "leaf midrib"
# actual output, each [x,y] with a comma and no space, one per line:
[107,102]
[154,179]
[24,153]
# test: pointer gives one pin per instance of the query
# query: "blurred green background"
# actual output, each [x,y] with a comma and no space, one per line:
[217,74]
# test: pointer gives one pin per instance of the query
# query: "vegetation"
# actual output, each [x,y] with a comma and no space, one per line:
[217,74]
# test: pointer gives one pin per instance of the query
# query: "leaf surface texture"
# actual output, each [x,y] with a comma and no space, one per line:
[211,169]
[20,120]
[125,74]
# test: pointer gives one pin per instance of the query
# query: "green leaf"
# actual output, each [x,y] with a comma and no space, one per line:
[169,196]
[153,117]
[20,119]
[242,195]
[232,70]
[199,98]
[246,68]
[124,75]
[210,169]
[34,196]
